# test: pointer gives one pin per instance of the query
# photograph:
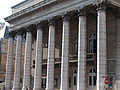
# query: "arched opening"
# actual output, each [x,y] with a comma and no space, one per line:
[75,46]
[92,43]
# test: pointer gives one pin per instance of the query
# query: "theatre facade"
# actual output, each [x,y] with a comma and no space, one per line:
[69,45]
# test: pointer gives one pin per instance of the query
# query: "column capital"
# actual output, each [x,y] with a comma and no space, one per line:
[51,21]
[11,34]
[39,25]
[30,28]
[117,12]
[20,31]
[82,11]
[65,17]
[101,5]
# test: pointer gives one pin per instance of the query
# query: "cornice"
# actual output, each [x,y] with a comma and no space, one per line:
[54,12]
[29,9]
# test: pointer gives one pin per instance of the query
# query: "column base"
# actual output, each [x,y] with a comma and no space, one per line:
[14,88]
[37,89]
[24,88]
[8,88]
[49,89]
[117,84]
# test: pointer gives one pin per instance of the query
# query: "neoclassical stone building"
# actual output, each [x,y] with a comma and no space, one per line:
[70,45]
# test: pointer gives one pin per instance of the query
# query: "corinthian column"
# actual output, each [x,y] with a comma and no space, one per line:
[16,83]
[81,76]
[51,56]
[101,47]
[65,54]
[27,60]
[117,69]
[38,60]
[9,62]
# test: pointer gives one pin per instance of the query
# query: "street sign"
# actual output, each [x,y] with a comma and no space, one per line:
[106,80]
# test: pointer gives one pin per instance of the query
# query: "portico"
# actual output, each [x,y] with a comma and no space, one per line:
[56,30]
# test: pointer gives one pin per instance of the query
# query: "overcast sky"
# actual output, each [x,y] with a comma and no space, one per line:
[5,10]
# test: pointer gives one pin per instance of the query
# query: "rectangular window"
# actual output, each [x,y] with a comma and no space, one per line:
[75,80]
[90,80]
[94,80]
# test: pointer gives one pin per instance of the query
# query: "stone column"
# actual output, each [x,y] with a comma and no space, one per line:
[51,57]
[16,83]
[27,60]
[65,54]
[9,62]
[81,75]
[101,47]
[38,59]
[117,69]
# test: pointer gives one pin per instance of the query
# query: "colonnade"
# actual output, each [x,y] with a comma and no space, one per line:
[81,77]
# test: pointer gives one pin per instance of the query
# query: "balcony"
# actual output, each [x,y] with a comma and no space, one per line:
[73,58]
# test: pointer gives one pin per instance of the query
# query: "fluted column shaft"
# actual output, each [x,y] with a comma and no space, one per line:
[101,48]
[117,69]
[81,76]
[38,60]
[51,58]
[16,83]
[9,63]
[65,55]
[27,60]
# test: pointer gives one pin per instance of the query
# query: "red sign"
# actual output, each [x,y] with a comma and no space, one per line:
[106,81]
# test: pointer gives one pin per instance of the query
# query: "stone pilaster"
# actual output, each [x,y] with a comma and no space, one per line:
[16,83]
[101,47]
[65,54]
[51,57]
[117,69]
[27,60]
[9,62]
[38,59]
[81,76]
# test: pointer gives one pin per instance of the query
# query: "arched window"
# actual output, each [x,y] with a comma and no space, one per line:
[75,46]
[92,77]
[92,43]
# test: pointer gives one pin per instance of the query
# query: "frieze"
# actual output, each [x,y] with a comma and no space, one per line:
[54,12]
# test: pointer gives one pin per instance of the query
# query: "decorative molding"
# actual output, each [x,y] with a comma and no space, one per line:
[20,31]
[29,9]
[54,12]
[51,21]
[31,28]
[65,17]
[11,34]
[117,13]
[101,5]
[82,11]
[39,25]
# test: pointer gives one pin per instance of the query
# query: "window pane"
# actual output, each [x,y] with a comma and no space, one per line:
[94,80]
[74,80]
[90,81]
[90,71]
[94,71]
